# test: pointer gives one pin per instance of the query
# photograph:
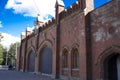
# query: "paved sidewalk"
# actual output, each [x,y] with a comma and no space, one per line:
[3,67]
[14,75]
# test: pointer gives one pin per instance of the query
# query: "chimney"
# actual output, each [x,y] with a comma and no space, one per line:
[22,35]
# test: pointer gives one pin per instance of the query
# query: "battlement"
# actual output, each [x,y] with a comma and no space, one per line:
[27,37]
[47,24]
[74,7]
[79,5]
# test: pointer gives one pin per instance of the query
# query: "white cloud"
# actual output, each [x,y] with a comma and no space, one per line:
[1,24]
[8,40]
[30,29]
[45,8]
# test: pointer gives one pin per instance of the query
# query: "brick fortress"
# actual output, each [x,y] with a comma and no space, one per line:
[80,43]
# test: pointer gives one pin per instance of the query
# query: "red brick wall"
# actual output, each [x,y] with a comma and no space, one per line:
[105,28]
[22,55]
[95,32]
[72,32]
[49,34]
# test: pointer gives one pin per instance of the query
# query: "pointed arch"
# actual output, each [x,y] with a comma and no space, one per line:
[64,60]
[47,43]
[108,62]
[45,55]
[107,52]
[75,45]
[75,60]
[30,62]
[32,48]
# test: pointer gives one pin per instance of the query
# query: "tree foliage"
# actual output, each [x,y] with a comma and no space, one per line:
[3,52]
[12,53]
[1,37]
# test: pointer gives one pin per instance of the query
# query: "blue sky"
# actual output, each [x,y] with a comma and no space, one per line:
[14,20]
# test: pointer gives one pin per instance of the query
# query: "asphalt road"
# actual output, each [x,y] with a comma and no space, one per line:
[14,75]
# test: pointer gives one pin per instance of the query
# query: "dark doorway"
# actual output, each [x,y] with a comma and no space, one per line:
[31,67]
[46,61]
[110,68]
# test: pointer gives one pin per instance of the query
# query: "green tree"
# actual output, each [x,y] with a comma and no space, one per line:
[1,37]
[12,53]
[2,54]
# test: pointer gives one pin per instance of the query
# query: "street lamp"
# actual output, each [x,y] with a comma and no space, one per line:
[6,58]
[16,52]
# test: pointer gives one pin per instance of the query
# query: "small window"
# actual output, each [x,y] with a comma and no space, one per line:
[75,59]
[65,59]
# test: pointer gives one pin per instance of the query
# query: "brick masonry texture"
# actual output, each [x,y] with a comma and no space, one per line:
[95,33]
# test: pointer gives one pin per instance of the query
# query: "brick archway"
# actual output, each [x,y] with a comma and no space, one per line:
[107,58]
[45,55]
[30,60]
[46,60]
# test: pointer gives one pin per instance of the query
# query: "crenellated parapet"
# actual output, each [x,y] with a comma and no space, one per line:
[80,5]
[75,7]
[30,34]
[42,26]
[48,24]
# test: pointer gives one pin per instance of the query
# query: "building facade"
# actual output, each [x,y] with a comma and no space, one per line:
[80,43]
